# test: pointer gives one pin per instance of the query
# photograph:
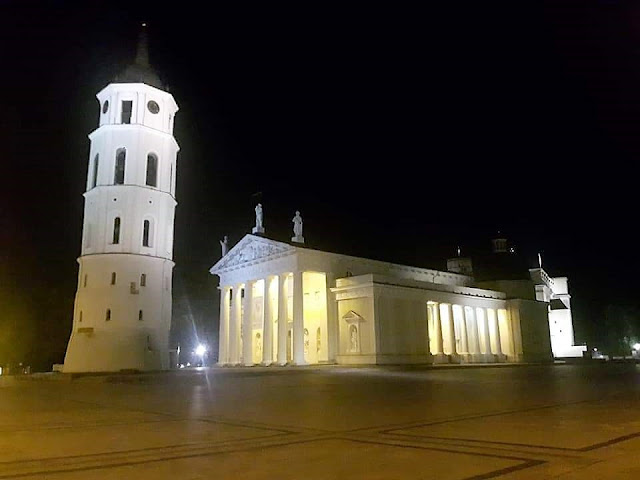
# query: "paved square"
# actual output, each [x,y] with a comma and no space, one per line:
[327,422]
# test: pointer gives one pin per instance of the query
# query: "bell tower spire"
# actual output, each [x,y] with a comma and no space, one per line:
[142,53]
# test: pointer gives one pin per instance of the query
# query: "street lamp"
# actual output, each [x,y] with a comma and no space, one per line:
[201,350]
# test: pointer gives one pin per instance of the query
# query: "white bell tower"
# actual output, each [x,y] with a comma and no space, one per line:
[122,312]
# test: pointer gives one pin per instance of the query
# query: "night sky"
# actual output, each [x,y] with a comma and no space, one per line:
[398,133]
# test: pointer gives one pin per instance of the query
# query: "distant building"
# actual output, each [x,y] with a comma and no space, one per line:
[122,311]
[282,303]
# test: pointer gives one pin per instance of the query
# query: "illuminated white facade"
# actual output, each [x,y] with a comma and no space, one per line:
[555,292]
[282,303]
[122,312]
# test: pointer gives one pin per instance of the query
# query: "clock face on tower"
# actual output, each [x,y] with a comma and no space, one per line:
[153,107]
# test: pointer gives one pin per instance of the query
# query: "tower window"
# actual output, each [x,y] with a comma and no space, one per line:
[143,280]
[116,230]
[153,107]
[139,315]
[107,317]
[146,226]
[127,108]
[105,106]
[113,278]
[94,179]
[121,157]
[84,284]
[152,170]
[80,317]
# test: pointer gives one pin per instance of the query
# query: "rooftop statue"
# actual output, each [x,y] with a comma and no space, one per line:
[259,228]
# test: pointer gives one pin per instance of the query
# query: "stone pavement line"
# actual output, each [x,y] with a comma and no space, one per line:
[390,428]
[216,419]
[74,463]
[86,463]
[405,431]
[588,448]
[525,462]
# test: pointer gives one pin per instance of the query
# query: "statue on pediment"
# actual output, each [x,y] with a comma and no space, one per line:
[259,228]
[225,245]
[297,229]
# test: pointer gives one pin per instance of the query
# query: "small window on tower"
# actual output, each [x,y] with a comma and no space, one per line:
[127,108]
[153,107]
[152,170]
[143,280]
[105,106]
[121,157]
[146,226]
[80,317]
[113,278]
[140,315]
[84,284]
[108,315]
[116,230]
[94,179]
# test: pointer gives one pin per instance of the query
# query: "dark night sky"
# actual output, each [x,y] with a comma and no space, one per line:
[399,133]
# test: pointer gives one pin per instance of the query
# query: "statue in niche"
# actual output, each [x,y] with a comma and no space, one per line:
[297,228]
[258,345]
[259,228]
[225,245]
[353,339]
[306,341]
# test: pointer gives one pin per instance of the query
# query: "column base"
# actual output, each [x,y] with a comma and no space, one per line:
[266,364]
[248,364]
[500,357]
[257,230]
[454,358]
[299,364]
[489,358]
[465,358]
[439,358]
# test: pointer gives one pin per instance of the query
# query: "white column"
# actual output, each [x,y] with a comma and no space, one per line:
[474,330]
[332,319]
[283,319]
[437,327]
[223,338]
[452,330]
[247,325]
[298,320]
[496,330]
[234,326]
[485,331]
[464,340]
[267,326]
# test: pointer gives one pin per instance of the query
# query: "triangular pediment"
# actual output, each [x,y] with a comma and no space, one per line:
[249,250]
[352,317]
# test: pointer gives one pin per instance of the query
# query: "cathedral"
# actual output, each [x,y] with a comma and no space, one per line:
[281,302]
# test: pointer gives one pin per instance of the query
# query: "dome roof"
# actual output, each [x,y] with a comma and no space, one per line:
[140,71]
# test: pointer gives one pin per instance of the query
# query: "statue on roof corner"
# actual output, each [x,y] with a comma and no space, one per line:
[259,228]
[225,245]
[297,229]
